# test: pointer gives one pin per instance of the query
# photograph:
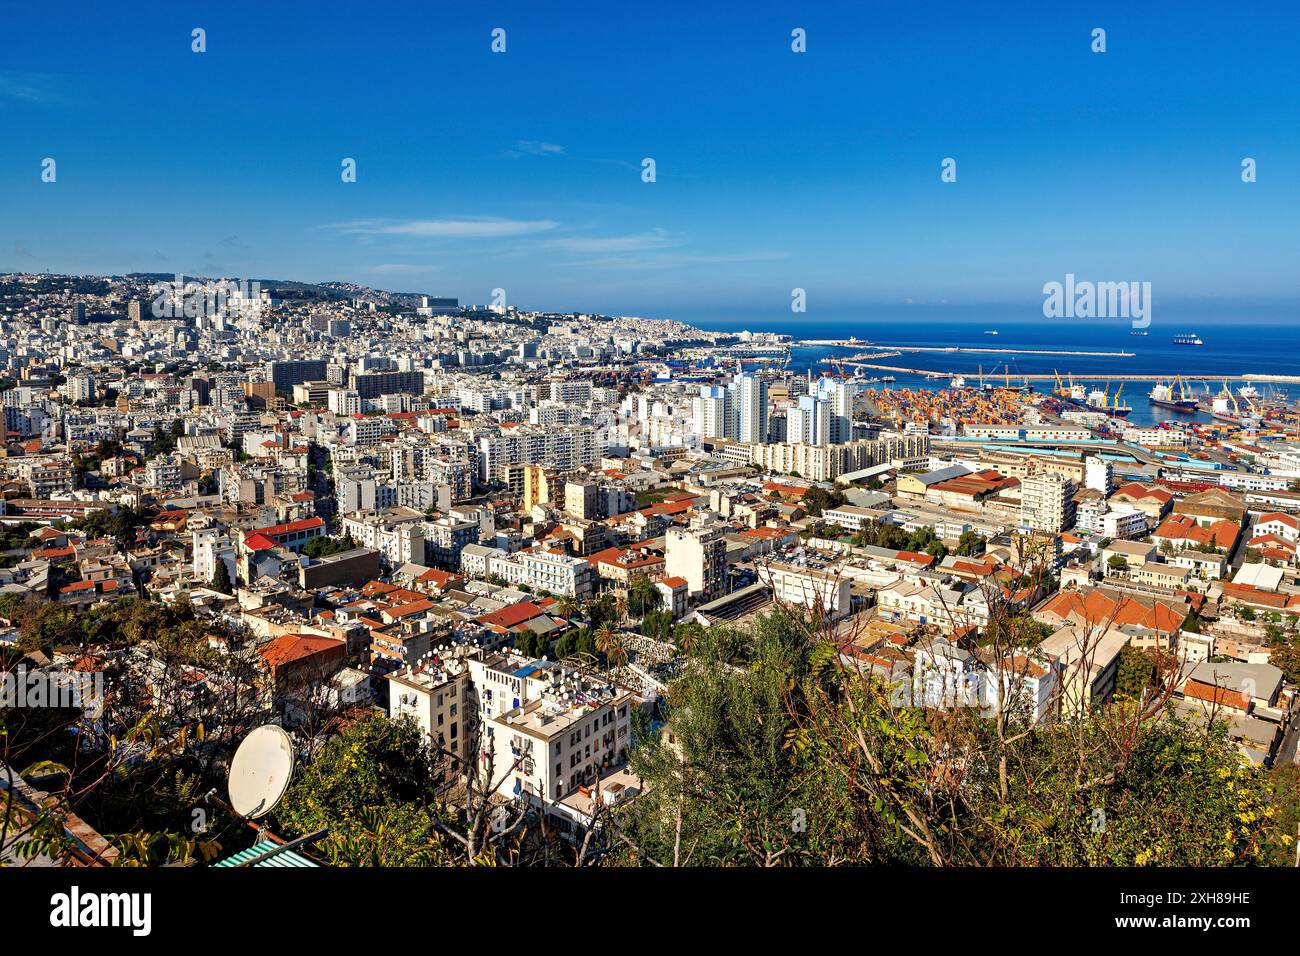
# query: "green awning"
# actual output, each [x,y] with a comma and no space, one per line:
[287,858]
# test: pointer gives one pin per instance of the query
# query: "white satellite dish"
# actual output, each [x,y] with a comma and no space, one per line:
[261,771]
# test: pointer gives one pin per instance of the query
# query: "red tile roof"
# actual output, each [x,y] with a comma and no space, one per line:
[513,616]
[1216,695]
[440,579]
[1101,607]
[1222,534]
[1138,491]
[295,647]
[278,530]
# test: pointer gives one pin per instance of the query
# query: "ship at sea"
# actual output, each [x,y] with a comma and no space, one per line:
[1138,332]
[1188,338]
[1164,396]
[991,332]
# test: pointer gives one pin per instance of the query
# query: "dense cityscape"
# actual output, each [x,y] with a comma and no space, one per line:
[537,573]
[669,454]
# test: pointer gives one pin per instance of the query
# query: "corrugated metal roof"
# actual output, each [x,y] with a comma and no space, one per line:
[287,858]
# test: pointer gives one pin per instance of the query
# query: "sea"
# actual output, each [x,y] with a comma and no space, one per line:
[1231,347]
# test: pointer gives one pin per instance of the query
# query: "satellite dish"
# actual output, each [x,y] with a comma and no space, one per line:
[261,771]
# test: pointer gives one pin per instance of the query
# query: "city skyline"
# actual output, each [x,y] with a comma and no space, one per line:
[653,440]
[522,170]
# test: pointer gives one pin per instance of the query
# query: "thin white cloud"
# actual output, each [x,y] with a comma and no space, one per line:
[34,88]
[655,239]
[469,228]
[657,260]
[401,269]
[533,147]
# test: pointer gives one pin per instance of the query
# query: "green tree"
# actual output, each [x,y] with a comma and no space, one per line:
[1135,673]
[642,597]
[658,624]
[323,546]
[1287,658]
[817,500]
[221,579]
[610,644]
[372,786]
[782,755]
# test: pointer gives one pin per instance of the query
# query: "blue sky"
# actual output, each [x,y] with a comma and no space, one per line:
[775,170]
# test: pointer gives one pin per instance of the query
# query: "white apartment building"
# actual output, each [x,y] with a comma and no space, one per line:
[697,554]
[544,571]
[343,401]
[549,746]
[1286,527]
[575,392]
[809,422]
[565,449]
[163,472]
[1047,502]
[208,546]
[80,387]
[1099,475]
[475,559]
[438,697]
[749,404]
[710,412]
[397,534]
[806,587]
[1123,521]
[851,517]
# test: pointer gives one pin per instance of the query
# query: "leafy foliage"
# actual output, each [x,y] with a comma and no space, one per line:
[777,753]
[372,787]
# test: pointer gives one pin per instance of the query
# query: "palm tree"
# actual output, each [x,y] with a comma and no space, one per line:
[685,636]
[610,643]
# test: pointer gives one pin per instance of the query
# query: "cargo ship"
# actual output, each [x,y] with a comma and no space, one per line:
[1163,396]
[1188,338]
[1100,401]
[1225,408]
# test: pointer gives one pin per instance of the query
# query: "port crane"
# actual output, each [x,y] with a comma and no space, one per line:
[1228,394]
